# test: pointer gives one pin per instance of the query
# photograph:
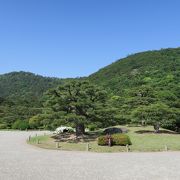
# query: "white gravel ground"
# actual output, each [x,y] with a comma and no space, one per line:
[20,161]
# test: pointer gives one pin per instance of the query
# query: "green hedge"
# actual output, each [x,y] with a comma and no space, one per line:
[117,139]
[103,141]
[21,125]
[121,139]
[92,127]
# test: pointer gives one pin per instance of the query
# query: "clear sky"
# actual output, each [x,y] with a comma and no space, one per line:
[72,38]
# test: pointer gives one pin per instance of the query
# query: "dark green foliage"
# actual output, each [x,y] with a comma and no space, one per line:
[92,127]
[156,113]
[46,121]
[78,103]
[10,113]
[25,88]
[117,139]
[21,125]
[21,95]
[3,126]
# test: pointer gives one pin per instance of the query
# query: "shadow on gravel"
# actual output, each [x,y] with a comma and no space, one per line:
[71,137]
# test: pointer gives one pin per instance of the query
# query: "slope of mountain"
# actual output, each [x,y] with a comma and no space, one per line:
[25,86]
[158,69]
[20,96]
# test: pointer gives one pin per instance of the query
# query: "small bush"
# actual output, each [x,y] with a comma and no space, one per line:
[117,139]
[92,127]
[3,126]
[103,141]
[121,139]
[21,125]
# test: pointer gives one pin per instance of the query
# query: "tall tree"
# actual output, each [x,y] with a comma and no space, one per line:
[157,115]
[78,101]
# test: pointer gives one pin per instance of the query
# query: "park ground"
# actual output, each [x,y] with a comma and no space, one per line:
[143,140]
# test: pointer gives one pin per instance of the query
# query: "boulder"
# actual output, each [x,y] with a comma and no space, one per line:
[114,130]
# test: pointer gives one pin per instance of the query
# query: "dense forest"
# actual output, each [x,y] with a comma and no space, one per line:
[142,88]
[21,96]
[25,87]
[145,86]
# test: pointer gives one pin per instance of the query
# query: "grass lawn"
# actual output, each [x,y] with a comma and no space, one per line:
[143,139]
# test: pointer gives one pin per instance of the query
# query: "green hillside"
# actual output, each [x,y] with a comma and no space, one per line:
[21,94]
[144,87]
[158,69]
[25,87]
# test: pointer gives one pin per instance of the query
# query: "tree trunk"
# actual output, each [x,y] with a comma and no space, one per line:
[80,129]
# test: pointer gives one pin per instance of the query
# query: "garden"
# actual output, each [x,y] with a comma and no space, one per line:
[133,139]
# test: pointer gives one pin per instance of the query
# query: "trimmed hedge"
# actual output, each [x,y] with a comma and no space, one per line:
[117,139]
[103,140]
[121,139]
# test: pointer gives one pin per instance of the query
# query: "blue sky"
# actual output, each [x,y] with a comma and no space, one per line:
[72,38]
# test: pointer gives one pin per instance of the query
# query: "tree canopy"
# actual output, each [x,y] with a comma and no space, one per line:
[77,102]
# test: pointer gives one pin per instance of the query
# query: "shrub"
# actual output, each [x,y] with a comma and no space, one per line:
[22,125]
[3,126]
[103,140]
[35,122]
[92,127]
[117,139]
[121,139]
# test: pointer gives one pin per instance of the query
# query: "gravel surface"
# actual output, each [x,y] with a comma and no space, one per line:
[20,161]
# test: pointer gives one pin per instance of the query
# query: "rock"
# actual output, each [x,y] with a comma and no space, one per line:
[114,130]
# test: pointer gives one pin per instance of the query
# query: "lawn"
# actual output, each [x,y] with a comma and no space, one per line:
[143,140]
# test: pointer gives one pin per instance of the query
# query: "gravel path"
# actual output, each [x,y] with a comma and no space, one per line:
[20,161]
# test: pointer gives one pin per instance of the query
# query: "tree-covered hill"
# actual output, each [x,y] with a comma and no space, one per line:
[20,96]
[25,87]
[144,87]
[158,69]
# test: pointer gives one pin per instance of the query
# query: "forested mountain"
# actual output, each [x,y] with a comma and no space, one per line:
[21,96]
[154,68]
[25,87]
[142,87]
[146,86]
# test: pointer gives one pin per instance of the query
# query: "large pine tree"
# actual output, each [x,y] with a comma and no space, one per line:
[78,102]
